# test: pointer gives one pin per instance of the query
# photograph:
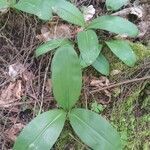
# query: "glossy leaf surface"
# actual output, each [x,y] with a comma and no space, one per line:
[114,24]
[50,45]
[114,5]
[68,12]
[40,8]
[123,51]
[66,76]
[102,65]
[89,46]
[42,132]
[94,130]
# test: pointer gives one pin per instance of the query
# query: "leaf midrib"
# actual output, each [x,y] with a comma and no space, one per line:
[93,130]
[47,126]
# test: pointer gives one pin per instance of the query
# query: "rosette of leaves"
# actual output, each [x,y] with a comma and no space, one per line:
[87,40]
[43,131]
[88,44]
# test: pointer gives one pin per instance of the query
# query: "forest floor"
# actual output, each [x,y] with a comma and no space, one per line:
[123,97]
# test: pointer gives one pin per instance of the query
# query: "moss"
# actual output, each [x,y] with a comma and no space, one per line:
[68,140]
[134,129]
[140,50]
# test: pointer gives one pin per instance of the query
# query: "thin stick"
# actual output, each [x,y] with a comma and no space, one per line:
[121,83]
[44,83]
[76,139]
[7,105]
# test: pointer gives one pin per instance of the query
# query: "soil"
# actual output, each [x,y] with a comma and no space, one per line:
[22,97]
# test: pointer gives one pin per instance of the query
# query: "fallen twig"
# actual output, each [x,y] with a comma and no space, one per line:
[119,84]
[43,88]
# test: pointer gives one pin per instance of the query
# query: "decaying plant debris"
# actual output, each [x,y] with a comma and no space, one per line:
[27,93]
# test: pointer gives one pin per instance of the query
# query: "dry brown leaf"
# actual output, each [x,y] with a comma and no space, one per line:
[137,11]
[49,86]
[45,34]
[104,97]
[12,133]
[27,76]
[7,93]
[11,93]
[88,12]
[17,90]
[54,32]
[143,27]
[115,72]
[16,70]
[103,81]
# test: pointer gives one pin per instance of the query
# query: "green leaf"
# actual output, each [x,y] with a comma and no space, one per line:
[102,65]
[42,132]
[69,12]
[115,5]
[50,45]
[123,51]
[89,46]
[66,76]
[98,108]
[11,3]
[40,8]
[4,4]
[94,130]
[82,62]
[114,24]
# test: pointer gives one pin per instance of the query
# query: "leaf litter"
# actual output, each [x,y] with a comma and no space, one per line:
[49,32]
[105,96]
[12,133]
[19,78]
[88,12]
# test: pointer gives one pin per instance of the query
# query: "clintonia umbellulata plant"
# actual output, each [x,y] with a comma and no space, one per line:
[43,131]
[87,40]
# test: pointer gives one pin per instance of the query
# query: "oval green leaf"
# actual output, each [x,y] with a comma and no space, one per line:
[69,12]
[115,5]
[94,130]
[123,51]
[42,132]
[102,65]
[88,45]
[114,24]
[50,45]
[66,76]
[40,8]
